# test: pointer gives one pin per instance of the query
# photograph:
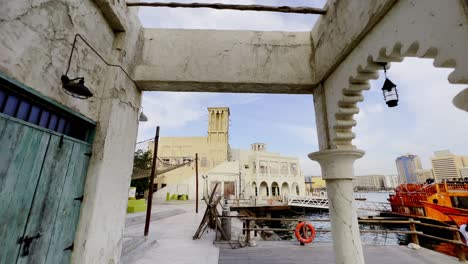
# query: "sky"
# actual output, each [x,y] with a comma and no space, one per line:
[424,121]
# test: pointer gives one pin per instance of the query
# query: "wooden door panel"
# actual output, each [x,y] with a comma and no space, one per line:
[229,188]
[22,150]
[63,233]
[47,197]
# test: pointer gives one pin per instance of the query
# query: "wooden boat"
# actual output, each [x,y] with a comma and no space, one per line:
[459,216]
[445,202]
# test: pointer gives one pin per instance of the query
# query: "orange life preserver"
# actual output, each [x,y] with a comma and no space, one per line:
[305,232]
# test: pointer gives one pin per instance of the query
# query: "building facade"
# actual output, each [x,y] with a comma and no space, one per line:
[238,172]
[212,150]
[406,166]
[423,175]
[390,182]
[314,183]
[447,165]
[267,174]
[369,182]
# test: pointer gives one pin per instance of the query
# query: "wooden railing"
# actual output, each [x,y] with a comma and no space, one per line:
[250,225]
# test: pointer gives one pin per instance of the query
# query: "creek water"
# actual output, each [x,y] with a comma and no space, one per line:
[366,238]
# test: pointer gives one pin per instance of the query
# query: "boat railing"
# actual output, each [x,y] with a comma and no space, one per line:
[250,228]
[457,187]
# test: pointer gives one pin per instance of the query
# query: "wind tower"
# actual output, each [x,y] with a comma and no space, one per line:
[218,125]
[218,135]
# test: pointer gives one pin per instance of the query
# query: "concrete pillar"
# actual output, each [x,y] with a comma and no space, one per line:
[337,171]
[102,219]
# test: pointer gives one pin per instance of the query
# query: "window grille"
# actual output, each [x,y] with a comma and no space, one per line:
[37,111]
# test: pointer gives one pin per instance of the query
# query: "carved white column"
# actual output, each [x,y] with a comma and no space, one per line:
[337,171]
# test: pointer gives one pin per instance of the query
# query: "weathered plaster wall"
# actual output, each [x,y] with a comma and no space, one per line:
[226,61]
[35,42]
[414,28]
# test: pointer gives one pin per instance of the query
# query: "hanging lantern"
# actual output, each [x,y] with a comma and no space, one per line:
[389,90]
[390,93]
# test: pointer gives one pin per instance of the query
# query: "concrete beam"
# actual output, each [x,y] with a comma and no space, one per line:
[338,32]
[226,61]
[114,12]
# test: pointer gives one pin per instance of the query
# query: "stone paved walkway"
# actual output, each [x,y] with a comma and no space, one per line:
[175,245]
[289,253]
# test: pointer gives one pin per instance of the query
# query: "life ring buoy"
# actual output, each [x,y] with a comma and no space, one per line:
[305,232]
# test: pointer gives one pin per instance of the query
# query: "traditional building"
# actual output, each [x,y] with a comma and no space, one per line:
[268,174]
[238,172]
[212,150]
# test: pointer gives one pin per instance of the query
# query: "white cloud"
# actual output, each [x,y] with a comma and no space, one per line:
[171,110]
[226,19]
[424,121]
[174,110]
[307,135]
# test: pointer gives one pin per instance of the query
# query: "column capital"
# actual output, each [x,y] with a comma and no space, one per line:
[337,163]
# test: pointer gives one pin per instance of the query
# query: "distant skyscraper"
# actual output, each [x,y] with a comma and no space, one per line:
[447,165]
[406,166]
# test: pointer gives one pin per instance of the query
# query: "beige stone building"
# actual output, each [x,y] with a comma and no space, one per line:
[390,181]
[268,174]
[369,182]
[447,165]
[212,150]
[422,175]
[238,172]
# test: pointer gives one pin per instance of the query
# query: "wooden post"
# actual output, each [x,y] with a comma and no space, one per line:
[254,225]
[247,238]
[414,237]
[196,183]
[459,248]
[150,194]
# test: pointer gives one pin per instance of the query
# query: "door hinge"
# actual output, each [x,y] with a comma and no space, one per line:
[69,248]
[89,154]
[61,141]
[79,198]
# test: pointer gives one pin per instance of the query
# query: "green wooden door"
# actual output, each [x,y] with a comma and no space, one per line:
[22,150]
[42,174]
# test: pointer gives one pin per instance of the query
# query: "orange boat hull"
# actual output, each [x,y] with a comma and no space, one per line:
[457,215]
